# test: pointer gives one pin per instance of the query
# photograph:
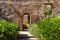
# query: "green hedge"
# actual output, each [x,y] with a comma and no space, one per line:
[50,28]
[8,30]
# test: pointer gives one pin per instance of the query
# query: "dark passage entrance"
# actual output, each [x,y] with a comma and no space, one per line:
[26,21]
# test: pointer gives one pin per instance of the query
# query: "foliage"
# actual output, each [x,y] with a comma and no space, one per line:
[8,30]
[34,30]
[50,28]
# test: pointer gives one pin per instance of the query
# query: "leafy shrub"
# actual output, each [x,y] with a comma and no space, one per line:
[50,28]
[8,30]
[34,30]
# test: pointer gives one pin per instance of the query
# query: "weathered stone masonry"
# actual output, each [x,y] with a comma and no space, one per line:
[35,8]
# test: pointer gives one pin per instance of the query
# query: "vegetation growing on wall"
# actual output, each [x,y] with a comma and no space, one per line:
[48,9]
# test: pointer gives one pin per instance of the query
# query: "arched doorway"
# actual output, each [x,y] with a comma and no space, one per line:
[26,21]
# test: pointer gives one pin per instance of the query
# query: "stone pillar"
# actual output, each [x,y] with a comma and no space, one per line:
[21,22]
[20,19]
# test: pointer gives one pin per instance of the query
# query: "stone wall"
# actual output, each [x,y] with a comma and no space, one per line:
[35,8]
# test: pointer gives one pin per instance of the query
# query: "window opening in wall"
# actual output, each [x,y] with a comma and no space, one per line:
[48,9]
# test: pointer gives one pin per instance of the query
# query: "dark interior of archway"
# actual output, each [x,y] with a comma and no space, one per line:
[25,27]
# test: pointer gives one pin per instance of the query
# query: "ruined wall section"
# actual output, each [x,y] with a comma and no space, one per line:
[8,12]
[55,6]
[34,8]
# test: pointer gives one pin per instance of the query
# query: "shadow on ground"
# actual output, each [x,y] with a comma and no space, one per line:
[23,37]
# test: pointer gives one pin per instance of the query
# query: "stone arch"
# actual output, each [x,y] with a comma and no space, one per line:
[26,20]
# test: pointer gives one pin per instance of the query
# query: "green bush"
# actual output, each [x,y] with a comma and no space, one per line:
[50,28]
[8,30]
[34,30]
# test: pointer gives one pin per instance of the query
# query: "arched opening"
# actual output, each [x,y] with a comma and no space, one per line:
[26,21]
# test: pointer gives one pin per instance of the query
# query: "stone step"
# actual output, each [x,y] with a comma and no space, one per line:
[25,29]
[25,34]
[29,39]
[34,38]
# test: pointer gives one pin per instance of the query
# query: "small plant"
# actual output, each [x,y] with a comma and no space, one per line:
[34,30]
